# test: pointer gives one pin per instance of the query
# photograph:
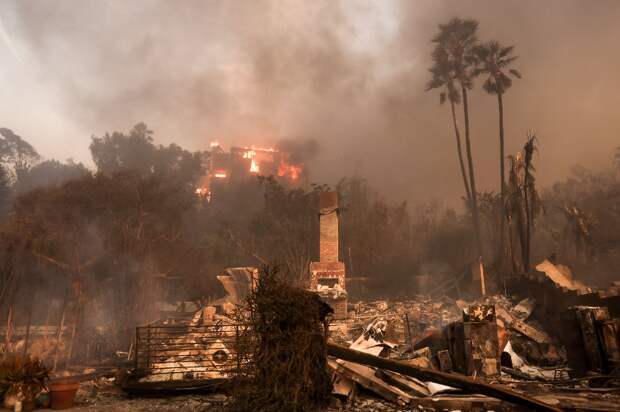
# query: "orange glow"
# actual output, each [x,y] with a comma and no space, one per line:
[250,153]
[288,170]
[260,160]
[203,193]
[259,149]
[265,149]
[254,167]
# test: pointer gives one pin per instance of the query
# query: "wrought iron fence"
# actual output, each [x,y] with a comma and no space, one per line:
[191,352]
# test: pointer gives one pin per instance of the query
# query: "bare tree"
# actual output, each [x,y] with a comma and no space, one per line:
[523,203]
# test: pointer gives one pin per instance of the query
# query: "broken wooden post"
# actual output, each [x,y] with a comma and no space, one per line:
[455,332]
[599,334]
[9,328]
[588,318]
[450,379]
[610,332]
[409,330]
[483,289]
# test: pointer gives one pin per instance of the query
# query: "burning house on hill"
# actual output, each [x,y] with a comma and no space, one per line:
[240,163]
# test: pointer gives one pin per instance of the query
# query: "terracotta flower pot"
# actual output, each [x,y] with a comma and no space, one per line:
[62,394]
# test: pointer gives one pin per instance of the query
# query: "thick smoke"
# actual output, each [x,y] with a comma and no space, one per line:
[351,74]
[299,150]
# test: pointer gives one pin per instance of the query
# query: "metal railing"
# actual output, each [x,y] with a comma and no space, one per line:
[190,352]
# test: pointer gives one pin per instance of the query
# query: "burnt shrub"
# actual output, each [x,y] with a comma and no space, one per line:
[288,371]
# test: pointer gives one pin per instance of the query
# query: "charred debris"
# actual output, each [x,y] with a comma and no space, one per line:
[305,333]
[536,341]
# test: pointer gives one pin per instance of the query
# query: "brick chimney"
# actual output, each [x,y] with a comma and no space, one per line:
[327,276]
[328,221]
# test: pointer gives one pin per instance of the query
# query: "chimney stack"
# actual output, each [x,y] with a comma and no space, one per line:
[328,212]
[327,276]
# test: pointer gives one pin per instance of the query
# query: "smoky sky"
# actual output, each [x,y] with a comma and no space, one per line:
[347,76]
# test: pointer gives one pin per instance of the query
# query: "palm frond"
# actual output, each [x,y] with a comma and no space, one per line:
[490,85]
[504,82]
[506,62]
[454,44]
[505,51]
[492,58]
[516,73]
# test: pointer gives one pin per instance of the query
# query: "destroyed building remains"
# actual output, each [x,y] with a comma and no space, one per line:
[373,206]
[506,341]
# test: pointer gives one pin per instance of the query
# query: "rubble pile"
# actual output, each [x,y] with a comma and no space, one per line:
[422,314]
[495,340]
[420,354]
[425,354]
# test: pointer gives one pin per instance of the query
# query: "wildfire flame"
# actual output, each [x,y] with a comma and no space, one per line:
[250,153]
[204,193]
[288,170]
[259,149]
[260,161]
[254,167]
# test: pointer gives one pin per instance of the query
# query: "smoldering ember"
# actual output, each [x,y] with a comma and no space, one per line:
[310,206]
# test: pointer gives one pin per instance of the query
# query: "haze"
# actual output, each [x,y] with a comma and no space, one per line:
[350,74]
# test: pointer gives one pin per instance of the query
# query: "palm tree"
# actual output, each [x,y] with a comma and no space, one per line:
[442,78]
[457,39]
[493,62]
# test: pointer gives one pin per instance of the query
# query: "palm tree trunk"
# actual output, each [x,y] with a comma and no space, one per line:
[472,179]
[459,149]
[502,173]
